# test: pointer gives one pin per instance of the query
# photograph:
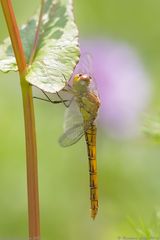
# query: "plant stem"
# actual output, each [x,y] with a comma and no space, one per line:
[32,169]
[30,135]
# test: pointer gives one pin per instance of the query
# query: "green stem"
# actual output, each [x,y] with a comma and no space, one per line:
[30,135]
[31,156]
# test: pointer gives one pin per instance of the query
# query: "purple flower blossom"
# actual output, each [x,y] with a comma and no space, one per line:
[123,85]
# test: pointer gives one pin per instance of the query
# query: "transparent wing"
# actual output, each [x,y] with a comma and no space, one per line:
[85,65]
[73,126]
[72,135]
[72,116]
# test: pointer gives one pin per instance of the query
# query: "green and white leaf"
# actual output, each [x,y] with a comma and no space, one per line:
[58,50]
[7,59]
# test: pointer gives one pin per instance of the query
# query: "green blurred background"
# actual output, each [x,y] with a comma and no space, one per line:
[128,171]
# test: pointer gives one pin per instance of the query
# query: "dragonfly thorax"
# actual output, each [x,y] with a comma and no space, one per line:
[81,82]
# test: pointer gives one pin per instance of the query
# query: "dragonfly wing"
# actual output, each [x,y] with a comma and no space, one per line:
[73,126]
[72,135]
[72,116]
[85,65]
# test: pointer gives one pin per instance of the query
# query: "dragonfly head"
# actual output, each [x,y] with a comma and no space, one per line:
[81,82]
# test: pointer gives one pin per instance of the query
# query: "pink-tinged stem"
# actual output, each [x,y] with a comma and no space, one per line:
[30,135]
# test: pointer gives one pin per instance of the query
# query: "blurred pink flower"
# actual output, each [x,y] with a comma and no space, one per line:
[123,85]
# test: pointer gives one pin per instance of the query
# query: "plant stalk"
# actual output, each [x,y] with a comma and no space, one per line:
[29,120]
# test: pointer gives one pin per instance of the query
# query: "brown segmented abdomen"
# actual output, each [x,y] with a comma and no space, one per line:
[90,136]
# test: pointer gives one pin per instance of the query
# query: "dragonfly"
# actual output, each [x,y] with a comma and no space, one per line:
[80,120]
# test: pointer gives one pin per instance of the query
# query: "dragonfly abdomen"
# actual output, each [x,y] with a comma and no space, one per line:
[90,136]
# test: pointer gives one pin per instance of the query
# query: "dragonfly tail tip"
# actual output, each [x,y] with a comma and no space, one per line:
[93,214]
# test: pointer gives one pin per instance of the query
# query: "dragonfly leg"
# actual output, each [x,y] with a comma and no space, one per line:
[47,97]
[41,99]
[62,100]
[67,84]
[67,105]
[55,102]
[50,100]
